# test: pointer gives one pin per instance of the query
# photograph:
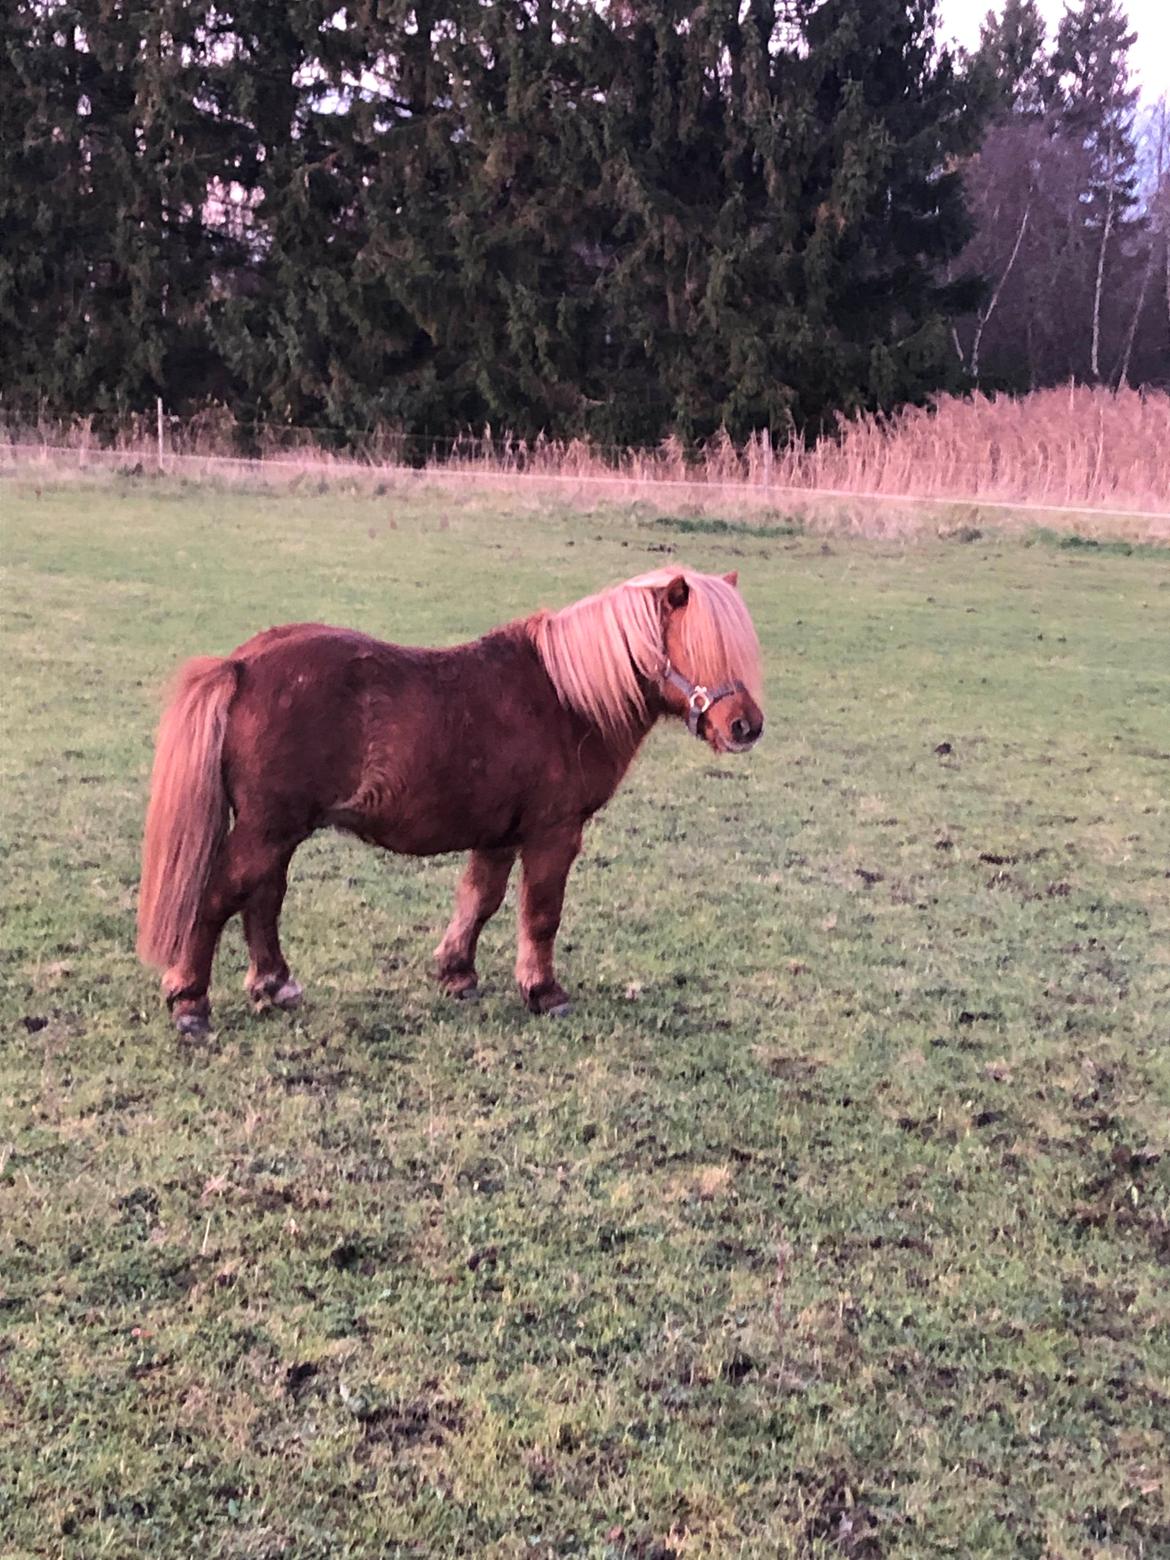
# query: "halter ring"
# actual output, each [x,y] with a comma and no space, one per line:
[699,699]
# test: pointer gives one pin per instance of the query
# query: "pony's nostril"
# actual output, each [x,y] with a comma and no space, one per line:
[741,729]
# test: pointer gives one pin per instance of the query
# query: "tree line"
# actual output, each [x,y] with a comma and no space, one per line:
[1069,194]
[614,220]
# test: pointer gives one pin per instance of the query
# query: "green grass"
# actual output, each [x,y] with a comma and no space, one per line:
[833,1222]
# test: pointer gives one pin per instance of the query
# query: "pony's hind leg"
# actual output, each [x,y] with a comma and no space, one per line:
[546,869]
[246,858]
[478,897]
[269,981]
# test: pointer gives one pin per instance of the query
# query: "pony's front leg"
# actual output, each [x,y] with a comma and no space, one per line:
[546,868]
[478,897]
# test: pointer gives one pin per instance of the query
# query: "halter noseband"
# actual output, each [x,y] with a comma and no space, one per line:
[699,700]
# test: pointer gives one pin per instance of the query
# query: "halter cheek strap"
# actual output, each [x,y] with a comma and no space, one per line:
[699,699]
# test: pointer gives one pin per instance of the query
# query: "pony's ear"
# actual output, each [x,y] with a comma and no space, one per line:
[677,593]
[733,577]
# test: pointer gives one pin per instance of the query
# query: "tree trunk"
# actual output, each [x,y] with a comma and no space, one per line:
[1098,286]
[1159,231]
[1123,371]
[1164,195]
[990,309]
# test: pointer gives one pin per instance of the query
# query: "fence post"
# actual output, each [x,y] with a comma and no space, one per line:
[159,409]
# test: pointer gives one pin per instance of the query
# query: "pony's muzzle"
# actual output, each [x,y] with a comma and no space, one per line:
[745,733]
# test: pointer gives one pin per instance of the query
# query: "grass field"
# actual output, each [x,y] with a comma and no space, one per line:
[834,1221]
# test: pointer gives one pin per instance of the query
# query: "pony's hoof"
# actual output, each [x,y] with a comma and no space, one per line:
[285,995]
[462,984]
[551,1001]
[193,1026]
[190,1015]
[289,997]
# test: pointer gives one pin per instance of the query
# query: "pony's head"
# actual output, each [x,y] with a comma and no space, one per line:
[711,678]
[673,640]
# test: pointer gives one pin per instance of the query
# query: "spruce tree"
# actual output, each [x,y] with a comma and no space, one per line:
[482,216]
[1093,105]
[47,206]
[783,206]
[664,175]
[109,152]
[625,220]
[1011,62]
[1010,183]
[30,166]
[284,333]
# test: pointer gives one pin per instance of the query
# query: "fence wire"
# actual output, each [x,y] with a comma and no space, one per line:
[14,456]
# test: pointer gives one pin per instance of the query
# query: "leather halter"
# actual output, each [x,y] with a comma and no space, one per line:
[699,699]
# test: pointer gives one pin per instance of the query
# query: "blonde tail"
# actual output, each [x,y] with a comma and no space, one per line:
[188,810]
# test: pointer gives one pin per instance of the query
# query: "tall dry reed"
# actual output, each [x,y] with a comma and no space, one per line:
[1067,449]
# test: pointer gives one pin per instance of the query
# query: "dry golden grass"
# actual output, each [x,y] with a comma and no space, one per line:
[1076,446]
[1099,457]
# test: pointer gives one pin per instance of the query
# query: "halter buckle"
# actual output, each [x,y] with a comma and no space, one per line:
[700,700]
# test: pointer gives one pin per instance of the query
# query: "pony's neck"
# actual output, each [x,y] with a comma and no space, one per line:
[586,654]
[622,740]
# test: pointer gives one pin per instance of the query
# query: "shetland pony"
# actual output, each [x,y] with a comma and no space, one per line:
[502,747]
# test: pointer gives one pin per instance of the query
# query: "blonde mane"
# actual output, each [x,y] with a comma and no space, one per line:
[597,650]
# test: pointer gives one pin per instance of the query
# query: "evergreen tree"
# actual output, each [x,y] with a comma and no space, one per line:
[482,217]
[1009,183]
[30,167]
[669,166]
[1093,105]
[414,221]
[1011,63]
[47,204]
[421,166]
[547,214]
[888,215]
[286,331]
[783,206]
[107,258]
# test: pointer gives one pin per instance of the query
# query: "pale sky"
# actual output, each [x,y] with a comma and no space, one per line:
[1149,57]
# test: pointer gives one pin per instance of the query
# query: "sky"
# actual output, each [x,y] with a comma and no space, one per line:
[1150,19]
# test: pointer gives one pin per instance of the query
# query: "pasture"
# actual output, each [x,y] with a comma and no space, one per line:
[833,1221]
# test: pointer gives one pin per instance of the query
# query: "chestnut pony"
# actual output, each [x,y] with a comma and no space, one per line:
[502,747]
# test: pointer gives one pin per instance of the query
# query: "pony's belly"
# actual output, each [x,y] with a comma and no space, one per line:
[430,833]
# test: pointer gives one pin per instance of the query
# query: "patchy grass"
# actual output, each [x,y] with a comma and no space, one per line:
[691,525]
[1071,541]
[834,1221]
